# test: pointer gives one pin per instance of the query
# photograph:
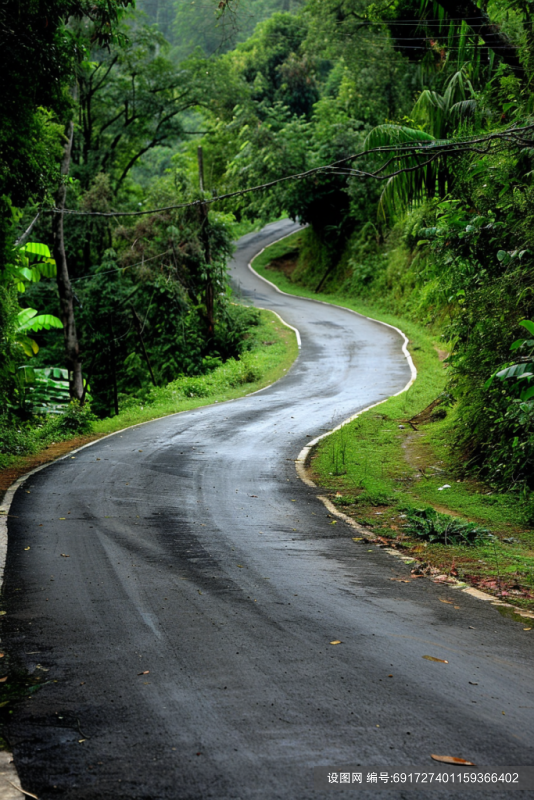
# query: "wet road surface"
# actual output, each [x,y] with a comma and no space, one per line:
[196,556]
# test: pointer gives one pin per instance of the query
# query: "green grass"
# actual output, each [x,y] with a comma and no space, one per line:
[257,368]
[273,351]
[381,468]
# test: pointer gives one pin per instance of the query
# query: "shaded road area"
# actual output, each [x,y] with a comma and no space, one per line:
[182,587]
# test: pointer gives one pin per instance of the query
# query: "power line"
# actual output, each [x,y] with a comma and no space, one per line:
[400,150]
[120,269]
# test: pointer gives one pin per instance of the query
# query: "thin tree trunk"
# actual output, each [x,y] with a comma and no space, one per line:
[204,233]
[137,323]
[113,366]
[22,238]
[66,297]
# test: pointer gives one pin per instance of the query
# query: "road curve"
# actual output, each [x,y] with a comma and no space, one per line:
[196,556]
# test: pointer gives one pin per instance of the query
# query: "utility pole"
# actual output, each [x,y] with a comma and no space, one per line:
[204,235]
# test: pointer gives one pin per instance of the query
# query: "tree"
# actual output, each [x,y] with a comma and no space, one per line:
[490,32]
[424,176]
[131,99]
[36,62]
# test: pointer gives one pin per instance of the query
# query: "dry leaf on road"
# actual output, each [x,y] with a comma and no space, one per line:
[146,672]
[431,658]
[336,641]
[453,760]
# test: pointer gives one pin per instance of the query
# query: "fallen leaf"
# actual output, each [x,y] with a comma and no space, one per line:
[65,555]
[453,760]
[336,641]
[400,580]
[62,517]
[80,741]
[1,655]
[2,613]
[253,495]
[473,683]
[3,680]
[26,548]
[527,629]
[357,538]
[146,672]
[457,608]
[442,600]
[431,658]
[240,566]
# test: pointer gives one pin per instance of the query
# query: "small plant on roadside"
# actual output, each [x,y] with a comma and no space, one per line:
[339,444]
[343,500]
[76,420]
[429,524]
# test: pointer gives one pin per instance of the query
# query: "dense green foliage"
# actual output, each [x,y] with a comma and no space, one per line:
[446,241]
[270,89]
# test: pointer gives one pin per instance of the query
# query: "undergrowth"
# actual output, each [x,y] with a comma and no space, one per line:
[385,470]
[272,350]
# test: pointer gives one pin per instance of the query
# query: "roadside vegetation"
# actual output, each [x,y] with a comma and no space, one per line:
[399,471]
[271,350]
[402,134]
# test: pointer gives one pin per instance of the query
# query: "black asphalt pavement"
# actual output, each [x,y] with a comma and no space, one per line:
[185,640]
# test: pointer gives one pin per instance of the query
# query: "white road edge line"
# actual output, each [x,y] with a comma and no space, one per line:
[10,492]
[300,465]
[7,765]
[302,458]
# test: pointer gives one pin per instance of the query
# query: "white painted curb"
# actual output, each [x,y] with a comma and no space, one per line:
[301,460]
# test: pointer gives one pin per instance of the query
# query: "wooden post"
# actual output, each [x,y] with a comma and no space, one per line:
[139,329]
[113,366]
[204,234]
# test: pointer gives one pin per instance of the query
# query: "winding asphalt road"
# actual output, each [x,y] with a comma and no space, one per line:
[197,556]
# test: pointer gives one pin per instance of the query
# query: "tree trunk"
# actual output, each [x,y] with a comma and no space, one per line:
[139,329]
[66,297]
[113,365]
[489,32]
[204,235]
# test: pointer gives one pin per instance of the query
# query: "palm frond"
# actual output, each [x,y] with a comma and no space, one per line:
[389,134]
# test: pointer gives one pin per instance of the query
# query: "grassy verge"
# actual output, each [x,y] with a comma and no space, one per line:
[397,459]
[272,352]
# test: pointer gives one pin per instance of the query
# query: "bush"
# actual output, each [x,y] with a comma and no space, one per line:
[77,420]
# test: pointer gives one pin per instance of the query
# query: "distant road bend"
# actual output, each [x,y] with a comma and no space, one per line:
[185,639]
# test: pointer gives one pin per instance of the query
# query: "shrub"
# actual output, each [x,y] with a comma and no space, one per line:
[429,524]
